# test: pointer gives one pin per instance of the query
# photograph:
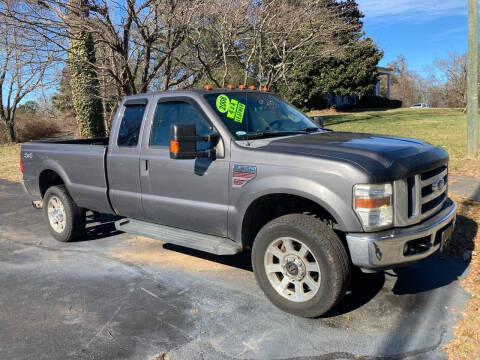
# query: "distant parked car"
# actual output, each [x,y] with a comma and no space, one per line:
[422,106]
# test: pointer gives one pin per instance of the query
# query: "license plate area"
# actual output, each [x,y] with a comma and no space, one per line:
[444,234]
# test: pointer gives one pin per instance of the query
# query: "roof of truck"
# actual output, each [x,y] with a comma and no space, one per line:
[197,91]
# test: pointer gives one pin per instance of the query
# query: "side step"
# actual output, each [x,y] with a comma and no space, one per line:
[208,243]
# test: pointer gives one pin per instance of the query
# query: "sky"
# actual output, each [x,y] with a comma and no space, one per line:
[421,30]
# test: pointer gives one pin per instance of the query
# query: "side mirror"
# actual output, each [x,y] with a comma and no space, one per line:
[183,142]
[319,121]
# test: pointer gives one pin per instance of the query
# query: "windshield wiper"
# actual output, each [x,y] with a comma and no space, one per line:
[268,134]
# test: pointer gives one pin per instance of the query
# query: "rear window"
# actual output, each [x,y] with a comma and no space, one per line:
[130,125]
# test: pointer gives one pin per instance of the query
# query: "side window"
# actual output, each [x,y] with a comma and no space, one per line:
[130,125]
[168,113]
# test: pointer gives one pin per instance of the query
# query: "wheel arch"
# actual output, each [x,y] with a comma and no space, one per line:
[269,206]
[51,174]
[48,178]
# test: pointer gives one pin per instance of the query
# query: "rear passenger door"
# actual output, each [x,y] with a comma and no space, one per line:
[123,159]
[188,194]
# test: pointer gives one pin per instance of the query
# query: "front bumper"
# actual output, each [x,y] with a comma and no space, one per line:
[386,249]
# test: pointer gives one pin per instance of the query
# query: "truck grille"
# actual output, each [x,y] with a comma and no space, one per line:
[420,196]
[433,193]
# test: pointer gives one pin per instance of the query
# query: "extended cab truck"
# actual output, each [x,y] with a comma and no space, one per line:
[225,171]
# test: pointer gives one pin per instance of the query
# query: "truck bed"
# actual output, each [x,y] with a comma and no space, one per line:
[93,141]
[80,163]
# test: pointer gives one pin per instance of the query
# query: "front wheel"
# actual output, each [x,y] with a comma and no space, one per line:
[301,265]
[65,220]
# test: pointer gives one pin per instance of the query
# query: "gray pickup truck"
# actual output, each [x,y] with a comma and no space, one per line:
[231,170]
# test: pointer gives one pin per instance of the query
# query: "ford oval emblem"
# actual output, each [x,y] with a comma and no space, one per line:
[438,184]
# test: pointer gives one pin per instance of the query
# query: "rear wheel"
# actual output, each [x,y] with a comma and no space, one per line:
[301,265]
[65,220]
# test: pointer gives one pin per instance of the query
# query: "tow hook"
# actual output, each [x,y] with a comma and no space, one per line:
[37,204]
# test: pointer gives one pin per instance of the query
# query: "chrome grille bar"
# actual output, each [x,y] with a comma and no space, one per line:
[434,187]
[431,180]
[417,197]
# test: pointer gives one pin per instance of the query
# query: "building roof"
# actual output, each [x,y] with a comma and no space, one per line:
[384,70]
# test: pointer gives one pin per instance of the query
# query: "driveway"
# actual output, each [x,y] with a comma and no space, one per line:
[116,296]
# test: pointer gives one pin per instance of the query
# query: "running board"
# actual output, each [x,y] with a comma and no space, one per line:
[212,244]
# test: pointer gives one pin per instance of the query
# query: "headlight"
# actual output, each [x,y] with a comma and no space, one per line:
[373,203]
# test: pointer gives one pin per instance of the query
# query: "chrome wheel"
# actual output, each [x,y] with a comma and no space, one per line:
[56,214]
[292,269]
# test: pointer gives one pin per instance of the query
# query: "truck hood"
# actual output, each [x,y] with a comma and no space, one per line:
[385,158]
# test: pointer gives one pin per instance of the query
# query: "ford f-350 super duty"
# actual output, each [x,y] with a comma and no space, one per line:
[230,170]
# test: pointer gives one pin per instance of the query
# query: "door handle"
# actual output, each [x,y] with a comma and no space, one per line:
[144,167]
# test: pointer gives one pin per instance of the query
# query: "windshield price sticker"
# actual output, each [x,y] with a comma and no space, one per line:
[239,114]
[223,103]
[232,109]
[235,110]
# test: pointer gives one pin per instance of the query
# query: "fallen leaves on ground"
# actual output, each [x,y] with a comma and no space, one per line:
[465,344]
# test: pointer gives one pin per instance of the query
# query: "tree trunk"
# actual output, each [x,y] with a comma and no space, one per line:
[11,132]
[84,81]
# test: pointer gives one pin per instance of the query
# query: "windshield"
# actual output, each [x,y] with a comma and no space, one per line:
[251,114]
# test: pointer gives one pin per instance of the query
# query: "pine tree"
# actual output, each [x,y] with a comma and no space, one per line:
[350,73]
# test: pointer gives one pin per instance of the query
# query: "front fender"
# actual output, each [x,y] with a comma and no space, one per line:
[337,206]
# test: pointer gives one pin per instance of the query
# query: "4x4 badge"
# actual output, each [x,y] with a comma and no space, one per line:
[242,174]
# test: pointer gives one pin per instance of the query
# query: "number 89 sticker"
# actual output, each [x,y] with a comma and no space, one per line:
[223,103]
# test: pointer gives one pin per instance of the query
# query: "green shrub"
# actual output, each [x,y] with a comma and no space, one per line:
[377,102]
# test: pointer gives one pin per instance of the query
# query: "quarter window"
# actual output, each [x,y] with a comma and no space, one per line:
[130,125]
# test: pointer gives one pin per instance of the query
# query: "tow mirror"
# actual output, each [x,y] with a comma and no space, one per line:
[318,121]
[183,142]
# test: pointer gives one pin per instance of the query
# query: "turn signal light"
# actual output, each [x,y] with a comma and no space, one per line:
[242,87]
[370,203]
[230,86]
[173,146]
[373,204]
[208,87]
[265,89]
[252,87]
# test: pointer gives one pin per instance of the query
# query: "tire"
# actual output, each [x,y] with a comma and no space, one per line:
[325,266]
[67,225]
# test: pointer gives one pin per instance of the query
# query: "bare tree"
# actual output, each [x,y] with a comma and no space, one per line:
[406,84]
[144,41]
[25,59]
[143,45]
[454,74]
[266,38]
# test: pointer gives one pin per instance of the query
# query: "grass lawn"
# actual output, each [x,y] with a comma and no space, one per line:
[9,162]
[442,127]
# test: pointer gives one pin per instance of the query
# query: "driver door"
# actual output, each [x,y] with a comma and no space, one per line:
[188,194]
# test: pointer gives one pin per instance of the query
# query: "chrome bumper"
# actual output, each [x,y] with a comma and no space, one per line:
[386,249]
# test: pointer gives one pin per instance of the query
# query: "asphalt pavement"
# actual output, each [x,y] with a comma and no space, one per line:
[116,296]
[466,186]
